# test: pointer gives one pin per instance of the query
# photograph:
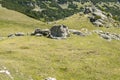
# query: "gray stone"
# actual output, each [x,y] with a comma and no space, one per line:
[36,31]
[60,31]
[107,37]
[88,10]
[77,32]
[98,24]
[98,31]
[38,34]
[11,35]
[99,15]
[20,34]
[44,32]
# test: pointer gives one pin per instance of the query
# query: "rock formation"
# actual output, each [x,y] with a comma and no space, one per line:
[59,31]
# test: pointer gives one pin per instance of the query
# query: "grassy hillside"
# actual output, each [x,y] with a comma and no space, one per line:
[75,58]
[12,21]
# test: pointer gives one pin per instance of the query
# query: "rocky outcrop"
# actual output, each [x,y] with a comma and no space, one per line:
[59,31]
[107,35]
[62,32]
[100,18]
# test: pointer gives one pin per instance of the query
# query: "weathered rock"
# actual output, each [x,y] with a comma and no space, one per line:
[107,37]
[45,32]
[98,24]
[20,34]
[92,19]
[59,31]
[49,78]
[99,15]
[38,31]
[100,18]
[38,34]
[11,35]
[88,10]
[77,32]
[98,31]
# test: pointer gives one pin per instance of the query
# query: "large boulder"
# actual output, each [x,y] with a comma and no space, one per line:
[59,31]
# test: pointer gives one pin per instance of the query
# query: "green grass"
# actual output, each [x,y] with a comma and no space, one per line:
[79,58]
[12,21]
[75,58]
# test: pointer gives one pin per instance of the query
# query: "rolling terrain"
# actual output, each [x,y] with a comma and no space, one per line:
[75,58]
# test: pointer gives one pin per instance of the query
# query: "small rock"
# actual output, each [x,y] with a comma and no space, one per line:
[11,35]
[107,37]
[38,34]
[79,33]
[44,32]
[19,34]
[98,24]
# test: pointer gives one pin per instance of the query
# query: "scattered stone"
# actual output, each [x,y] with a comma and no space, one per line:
[59,31]
[99,15]
[39,32]
[16,34]
[107,35]
[20,34]
[11,35]
[77,32]
[97,31]
[100,18]
[88,10]
[98,24]
[49,78]
[45,32]
[5,71]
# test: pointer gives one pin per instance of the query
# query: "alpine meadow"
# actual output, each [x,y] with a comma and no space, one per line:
[59,40]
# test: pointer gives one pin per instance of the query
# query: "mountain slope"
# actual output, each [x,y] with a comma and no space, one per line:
[12,21]
[50,10]
[74,58]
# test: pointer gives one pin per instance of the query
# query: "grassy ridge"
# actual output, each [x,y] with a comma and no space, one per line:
[76,58]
